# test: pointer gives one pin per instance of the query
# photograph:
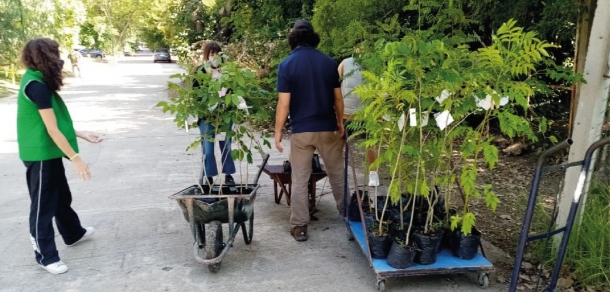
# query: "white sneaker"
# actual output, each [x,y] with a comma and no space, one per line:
[373,179]
[55,268]
[88,234]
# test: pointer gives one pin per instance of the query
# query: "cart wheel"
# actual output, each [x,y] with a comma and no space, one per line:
[350,234]
[483,280]
[214,244]
[381,285]
[248,234]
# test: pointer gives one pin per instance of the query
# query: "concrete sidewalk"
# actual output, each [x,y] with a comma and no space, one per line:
[142,241]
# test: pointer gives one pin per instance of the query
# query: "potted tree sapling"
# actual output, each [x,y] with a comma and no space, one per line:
[427,89]
[231,98]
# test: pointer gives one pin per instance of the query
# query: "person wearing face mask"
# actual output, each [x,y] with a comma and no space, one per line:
[208,131]
[45,135]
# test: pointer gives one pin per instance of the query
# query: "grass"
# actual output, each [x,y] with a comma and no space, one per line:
[588,254]
[589,248]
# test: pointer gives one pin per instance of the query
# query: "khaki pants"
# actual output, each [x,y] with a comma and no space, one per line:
[302,147]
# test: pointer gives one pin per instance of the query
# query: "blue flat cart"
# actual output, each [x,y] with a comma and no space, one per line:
[445,263]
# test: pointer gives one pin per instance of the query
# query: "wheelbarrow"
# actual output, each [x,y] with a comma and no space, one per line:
[207,207]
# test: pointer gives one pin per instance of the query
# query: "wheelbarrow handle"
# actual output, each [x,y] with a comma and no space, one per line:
[260,170]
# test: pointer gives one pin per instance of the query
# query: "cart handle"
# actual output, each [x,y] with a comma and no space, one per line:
[529,213]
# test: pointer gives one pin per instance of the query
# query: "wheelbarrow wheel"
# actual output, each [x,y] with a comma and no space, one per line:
[213,244]
[200,235]
[248,234]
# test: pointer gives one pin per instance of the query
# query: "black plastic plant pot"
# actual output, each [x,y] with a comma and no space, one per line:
[369,220]
[353,212]
[394,230]
[401,257]
[380,245]
[394,214]
[427,248]
[387,216]
[381,203]
[397,232]
[446,235]
[465,246]
[419,220]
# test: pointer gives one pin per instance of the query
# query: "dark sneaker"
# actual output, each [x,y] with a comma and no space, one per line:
[299,233]
[229,180]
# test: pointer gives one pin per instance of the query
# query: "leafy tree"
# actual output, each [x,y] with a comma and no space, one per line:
[22,20]
[95,34]
[343,24]
[115,20]
[269,18]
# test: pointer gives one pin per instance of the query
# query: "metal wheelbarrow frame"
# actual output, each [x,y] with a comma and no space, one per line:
[234,209]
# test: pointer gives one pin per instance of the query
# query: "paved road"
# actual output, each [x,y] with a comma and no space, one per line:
[142,241]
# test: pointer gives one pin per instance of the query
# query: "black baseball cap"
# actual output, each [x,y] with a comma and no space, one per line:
[302,23]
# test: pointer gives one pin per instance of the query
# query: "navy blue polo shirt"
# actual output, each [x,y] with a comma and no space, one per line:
[311,78]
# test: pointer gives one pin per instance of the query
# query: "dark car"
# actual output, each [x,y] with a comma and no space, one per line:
[162,55]
[94,53]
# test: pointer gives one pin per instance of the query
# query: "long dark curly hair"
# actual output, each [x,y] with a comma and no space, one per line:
[42,54]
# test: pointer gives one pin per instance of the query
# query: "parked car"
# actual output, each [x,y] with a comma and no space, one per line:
[94,53]
[128,54]
[162,55]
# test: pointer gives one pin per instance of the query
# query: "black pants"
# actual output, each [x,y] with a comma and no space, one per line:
[51,197]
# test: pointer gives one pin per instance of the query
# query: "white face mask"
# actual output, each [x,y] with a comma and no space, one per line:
[215,61]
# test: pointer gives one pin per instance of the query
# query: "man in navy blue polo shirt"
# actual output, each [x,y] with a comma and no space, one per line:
[310,90]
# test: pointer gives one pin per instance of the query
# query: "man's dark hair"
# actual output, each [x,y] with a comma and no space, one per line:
[303,36]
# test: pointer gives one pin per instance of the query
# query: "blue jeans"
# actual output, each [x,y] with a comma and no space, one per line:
[211,169]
